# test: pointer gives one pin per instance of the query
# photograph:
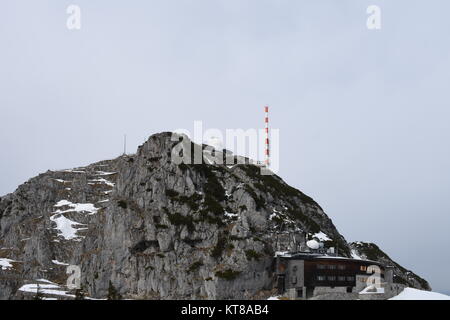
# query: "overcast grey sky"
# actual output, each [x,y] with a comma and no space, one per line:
[363,114]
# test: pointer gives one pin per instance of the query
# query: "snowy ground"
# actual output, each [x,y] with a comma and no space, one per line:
[414,294]
[408,294]
[46,288]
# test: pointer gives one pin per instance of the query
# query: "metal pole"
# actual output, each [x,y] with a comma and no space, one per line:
[124,144]
[267,137]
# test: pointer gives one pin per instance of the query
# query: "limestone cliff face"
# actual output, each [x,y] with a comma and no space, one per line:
[145,227]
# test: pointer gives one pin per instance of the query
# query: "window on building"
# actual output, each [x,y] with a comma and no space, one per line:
[321,266]
[331,278]
[332,267]
[341,278]
[350,278]
[321,278]
[341,267]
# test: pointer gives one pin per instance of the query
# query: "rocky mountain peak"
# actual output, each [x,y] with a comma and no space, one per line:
[145,226]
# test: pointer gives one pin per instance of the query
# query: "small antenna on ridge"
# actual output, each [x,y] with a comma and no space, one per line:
[124,144]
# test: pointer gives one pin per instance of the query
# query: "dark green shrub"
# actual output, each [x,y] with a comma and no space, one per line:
[79,294]
[299,215]
[192,242]
[113,294]
[193,202]
[252,254]
[221,244]
[171,193]
[259,201]
[143,245]
[178,219]
[228,274]
[207,217]
[213,206]
[195,266]
[122,204]
[212,186]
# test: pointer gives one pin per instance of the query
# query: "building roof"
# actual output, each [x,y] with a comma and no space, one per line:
[320,256]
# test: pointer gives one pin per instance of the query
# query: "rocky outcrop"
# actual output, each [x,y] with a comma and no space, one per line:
[142,226]
[402,276]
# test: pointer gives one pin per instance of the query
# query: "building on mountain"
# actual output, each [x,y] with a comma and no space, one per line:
[305,275]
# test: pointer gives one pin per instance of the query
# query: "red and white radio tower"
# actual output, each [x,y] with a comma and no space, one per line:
[267,137]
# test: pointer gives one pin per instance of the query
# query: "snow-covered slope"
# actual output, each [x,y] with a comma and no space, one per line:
[414,294]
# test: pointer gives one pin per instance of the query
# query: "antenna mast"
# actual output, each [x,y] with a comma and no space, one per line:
[124,144]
